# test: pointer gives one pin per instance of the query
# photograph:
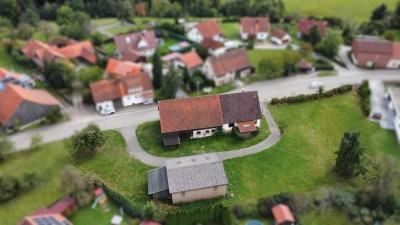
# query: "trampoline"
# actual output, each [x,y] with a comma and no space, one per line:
[254,222]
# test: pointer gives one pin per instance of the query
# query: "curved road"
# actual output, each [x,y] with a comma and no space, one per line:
[137,151]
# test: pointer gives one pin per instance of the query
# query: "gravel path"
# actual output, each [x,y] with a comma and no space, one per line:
[136,151]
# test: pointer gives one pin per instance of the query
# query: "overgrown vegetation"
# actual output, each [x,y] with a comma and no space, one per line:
[87,142]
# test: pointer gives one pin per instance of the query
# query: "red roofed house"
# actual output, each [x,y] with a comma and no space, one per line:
[117,69]
[42,217]
[304,26]
[199,117]
[255,28]
[15,78]
[129,90]
[136,46]
[41,53]
[65,206]
[376,53]
[190,60]
[228,67]
[24,105]
[214,47]
[207,29]
[280,37]
[283,215]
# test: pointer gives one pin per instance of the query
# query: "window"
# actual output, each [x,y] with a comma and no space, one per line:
[134,89]
[207,131]
[198,132]
[255,121]
[213,130]
[182,193]
[231,125]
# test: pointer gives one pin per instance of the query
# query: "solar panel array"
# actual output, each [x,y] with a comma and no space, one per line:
[49,221]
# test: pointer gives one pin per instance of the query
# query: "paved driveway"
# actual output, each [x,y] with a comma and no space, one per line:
[379,105]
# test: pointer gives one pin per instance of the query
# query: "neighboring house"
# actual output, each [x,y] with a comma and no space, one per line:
[117,69]
[15,78]
[24,105]
[199,117]
[393,96]
[215,48]
[304,26]
[228,67]
[207,29]
[130,90]
[42,53]
[305,66]
[374,53]
[189,179]
[136,46]
[283,215]
[190,60]
[65,206]
[280,37]
[254,28]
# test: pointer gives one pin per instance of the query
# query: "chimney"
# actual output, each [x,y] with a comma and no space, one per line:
[243,90]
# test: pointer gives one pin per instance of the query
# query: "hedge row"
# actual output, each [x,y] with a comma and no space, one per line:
[130,209]
[311,97]
[365,94]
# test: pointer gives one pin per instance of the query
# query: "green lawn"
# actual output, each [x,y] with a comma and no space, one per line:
[119,29]
[149,137]
[231,30]
[256,55]
[164,49]
[109,48]
[358,10]
[327,73]
[216,90]
[328,216]
[103,22]
[88,215]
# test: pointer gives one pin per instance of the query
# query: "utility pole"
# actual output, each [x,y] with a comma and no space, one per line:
[197,85]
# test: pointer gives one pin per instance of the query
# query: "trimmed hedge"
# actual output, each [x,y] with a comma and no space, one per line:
[311,97]
[130,209]
[365,97]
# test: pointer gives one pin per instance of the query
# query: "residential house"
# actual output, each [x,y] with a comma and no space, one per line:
[189,179]
[15,78]
[305,66]
[254,28]
[304,26]
[215,48]
[190,60]
[393,97]
[129,90]
[117,69]
[65,206]
[199,117]
[207,29]
[228,67]
[136,46]
[280,37]
[26,106]
[42,53]
[374,53]
[283,215]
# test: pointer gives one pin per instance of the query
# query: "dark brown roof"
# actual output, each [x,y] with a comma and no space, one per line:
[240,107]
[304,26]
[253,25]
[230,61]
[190,113]
[209,43]
[278,33]
[129,42]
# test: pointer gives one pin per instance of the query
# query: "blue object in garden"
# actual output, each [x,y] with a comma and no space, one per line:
[254,222]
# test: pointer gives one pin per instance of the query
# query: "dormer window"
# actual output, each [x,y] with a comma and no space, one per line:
[134,89]
[143,44]
[128,40]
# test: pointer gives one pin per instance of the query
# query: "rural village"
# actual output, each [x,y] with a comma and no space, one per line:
[174,112]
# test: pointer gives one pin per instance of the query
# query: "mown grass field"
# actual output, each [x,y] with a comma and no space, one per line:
[168,42]
[88,215]
[231,30]
[357,10]
[149,137]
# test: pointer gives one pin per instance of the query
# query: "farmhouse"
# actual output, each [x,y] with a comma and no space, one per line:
[375,53]
[254,28]
[24,105]
[283,215]
[207,29]
[189,179]
[226,68]
[280,37]
[15,78]
[111,94]
[42,53]
[304,26]
[199,117]
[136,46]
[117,69]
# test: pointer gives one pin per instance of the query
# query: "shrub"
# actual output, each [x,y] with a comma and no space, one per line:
[237,135]
[130,209]
[244,210]
[53,116]
[264,206]
[256,132]
[86,142]
[219,132]
[365,93]
[283,198]
[9,188]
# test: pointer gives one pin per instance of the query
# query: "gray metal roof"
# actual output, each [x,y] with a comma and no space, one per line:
[195,172]
[157,180]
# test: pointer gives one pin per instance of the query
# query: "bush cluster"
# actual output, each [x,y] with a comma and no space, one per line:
[365,93]
[173,28]
[323,65]
[311,97]
[237,135]
[11,187]
[130,209]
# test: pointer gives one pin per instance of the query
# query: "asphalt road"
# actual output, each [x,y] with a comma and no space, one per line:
[133,116]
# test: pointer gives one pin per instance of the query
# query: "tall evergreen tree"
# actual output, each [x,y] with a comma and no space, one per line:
[379,13]
[349,160]
[186,76]
[157,70]
[171,83]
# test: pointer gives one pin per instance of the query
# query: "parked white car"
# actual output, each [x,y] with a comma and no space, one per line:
[316,84]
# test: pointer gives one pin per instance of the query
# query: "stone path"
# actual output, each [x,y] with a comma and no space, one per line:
[136,150]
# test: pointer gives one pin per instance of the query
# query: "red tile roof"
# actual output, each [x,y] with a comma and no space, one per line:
[278,33]
[62,205]
[304,26]
[282,214]
[107,90]
[13,95]
[190,113]
[304,64]
[229,62]
[83,50]
[129,44]
[122,68]
[209,43]
[254,25]
[246,126]
[377,51]
[191,59]
[209,28]
[3,73]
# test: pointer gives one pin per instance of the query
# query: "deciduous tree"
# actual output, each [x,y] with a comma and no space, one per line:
[6,146]
[330,45]
[87,142]
[125,12]
[30,17]
[59,74]
[65,15]
[78,186]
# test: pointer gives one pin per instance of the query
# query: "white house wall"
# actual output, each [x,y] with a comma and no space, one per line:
[132,99]
[262,36]
[105,107]
[244,36]
[393,64]
[194,35]
[203,133]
